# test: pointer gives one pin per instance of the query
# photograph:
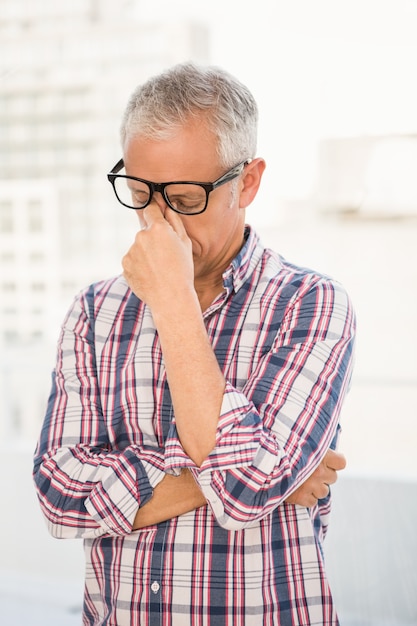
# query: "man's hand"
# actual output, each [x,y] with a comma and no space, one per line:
[159,264]
[317,486]
[174,496]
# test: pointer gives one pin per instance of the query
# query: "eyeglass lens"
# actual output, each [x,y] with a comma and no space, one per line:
[185,197]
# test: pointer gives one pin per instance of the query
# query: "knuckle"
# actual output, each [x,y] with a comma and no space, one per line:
[322,469]
[343,462]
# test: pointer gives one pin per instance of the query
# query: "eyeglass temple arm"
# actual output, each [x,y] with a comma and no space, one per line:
[233,173]
[119,165]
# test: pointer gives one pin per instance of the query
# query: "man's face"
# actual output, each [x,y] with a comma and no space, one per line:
[190,155]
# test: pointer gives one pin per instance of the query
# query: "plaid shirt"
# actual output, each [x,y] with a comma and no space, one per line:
[283,337]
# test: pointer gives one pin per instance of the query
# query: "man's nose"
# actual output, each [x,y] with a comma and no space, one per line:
[159,200]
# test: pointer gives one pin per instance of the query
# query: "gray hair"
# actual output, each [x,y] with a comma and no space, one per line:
[164,104]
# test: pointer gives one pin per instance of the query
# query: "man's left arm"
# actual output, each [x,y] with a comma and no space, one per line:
[177,495]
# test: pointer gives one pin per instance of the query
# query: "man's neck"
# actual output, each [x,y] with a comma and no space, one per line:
[208,291]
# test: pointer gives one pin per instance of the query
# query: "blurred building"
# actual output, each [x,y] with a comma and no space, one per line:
[30,258]
[66,72]
[368,177]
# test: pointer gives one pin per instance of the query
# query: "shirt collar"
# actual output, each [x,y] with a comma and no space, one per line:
[245,261]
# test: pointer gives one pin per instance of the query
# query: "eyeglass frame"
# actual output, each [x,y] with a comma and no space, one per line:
[231,174]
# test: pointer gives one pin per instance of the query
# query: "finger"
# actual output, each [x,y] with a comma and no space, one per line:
[335,460]
[176,223]
[307,500]
[322,491]
[127,267]
[127,262]
[311,501]
[152,214]
[331,477]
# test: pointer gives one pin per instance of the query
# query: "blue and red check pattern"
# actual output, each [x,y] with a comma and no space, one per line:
[283,336]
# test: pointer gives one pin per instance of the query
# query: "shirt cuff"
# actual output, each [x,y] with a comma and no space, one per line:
[114,501]
[235,409]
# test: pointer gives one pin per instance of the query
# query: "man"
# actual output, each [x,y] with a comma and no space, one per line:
[195,400]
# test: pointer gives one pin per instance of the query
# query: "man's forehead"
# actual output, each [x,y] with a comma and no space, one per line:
[181,155]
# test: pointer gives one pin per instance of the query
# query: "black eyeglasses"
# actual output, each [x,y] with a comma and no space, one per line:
[185,197]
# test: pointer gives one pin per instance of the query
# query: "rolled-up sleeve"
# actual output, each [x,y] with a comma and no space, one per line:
[87,487]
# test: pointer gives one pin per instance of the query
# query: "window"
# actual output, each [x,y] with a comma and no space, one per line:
[6,217]
[8,287]
[38,287]
[7,257]
[36,257]
[35,216]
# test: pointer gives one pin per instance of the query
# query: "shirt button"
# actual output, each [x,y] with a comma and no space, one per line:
[155,586]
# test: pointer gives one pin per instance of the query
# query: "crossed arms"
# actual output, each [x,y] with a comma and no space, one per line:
[177,495]
[87,487]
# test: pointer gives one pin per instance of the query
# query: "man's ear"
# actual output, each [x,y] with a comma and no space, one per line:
[251,179]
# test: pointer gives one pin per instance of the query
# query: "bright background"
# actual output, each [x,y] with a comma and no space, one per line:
[335,83]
